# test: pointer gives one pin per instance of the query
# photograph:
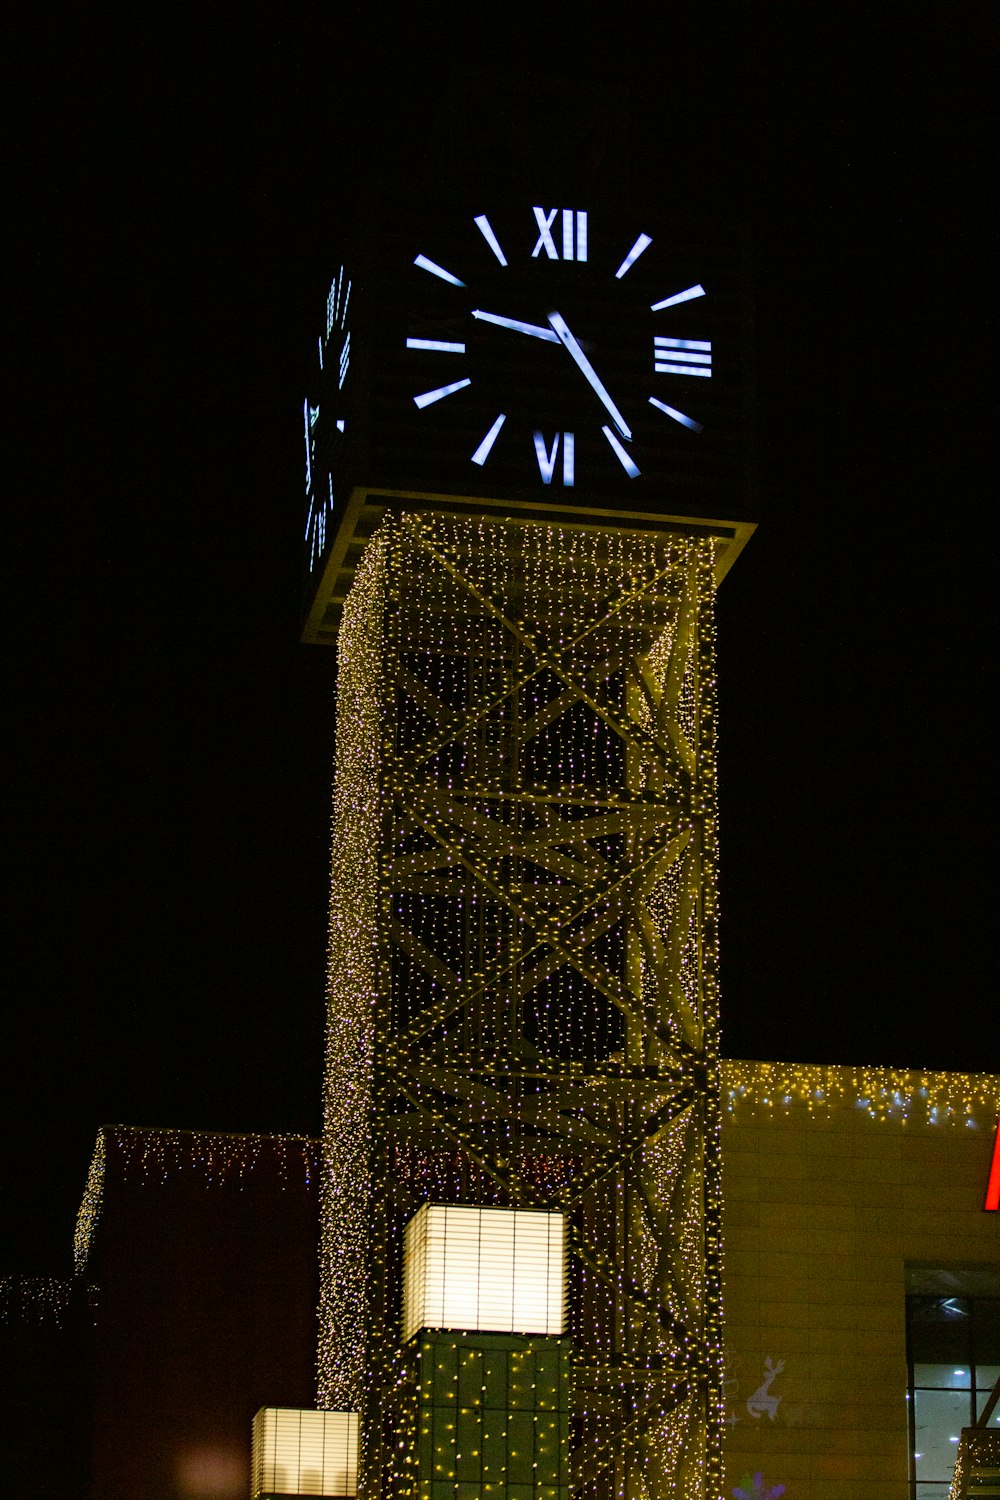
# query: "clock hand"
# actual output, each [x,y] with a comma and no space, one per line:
[532,328]
[589,373]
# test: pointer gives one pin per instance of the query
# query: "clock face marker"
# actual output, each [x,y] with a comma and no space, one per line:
[581,233]
[547,459]
[429,397]
[574,233]
[333,302]
[569,458]
[321,529]
[336,301]
[678,416]
[623,457]
[482,453]
[345,359]
[682,356]
[545,239]
[685,296]
[641,244]
[484,226]
[307,422]
[318,538]
[437,344]
[436,270]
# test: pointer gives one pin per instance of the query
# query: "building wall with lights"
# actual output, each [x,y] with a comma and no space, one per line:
[197,1252]
[845,1191]
[44,1353]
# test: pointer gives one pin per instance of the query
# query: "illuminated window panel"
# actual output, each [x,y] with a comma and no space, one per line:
[299,1452]
[939,1417]
[497,1270]
[945,1377]
[954,1345]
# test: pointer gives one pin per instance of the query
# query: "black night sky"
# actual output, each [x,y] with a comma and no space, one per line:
[179,200]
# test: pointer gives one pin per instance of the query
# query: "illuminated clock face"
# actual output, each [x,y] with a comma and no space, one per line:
[560,348]
[334,362]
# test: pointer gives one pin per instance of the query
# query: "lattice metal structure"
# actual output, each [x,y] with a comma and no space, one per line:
[523,964]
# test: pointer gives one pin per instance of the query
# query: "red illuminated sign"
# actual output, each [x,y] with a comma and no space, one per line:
[993,1186]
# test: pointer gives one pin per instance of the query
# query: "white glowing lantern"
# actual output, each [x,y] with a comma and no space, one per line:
[496,1270]
[305,1452]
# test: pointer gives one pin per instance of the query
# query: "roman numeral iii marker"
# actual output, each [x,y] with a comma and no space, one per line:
[681,356]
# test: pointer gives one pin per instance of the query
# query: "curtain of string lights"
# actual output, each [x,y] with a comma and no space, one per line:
[523,966]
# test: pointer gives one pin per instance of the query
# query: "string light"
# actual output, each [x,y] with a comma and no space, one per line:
[33,1300]
[978,1454]
[353,975]
[90,1207]
[523,962]
[969,1101]
[489,1412]
[214,1158]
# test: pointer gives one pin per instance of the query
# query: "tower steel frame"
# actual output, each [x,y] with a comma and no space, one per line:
[523,964]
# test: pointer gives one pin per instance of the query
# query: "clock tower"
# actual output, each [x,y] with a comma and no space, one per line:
[527,454]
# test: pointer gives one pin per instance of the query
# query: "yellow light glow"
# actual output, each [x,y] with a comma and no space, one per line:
[967,1101]
[523,972]
[298,1452]
[490,1269]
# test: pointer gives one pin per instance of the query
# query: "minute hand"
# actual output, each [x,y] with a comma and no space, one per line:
[590,374]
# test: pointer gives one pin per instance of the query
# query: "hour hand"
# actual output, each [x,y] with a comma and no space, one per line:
[533,329]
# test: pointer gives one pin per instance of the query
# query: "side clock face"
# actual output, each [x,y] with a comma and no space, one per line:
[552,347]
[323,436]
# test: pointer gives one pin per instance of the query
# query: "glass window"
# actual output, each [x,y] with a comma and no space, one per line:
[946,1377]
[938,1419]
[986,1349]
[954,1355]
